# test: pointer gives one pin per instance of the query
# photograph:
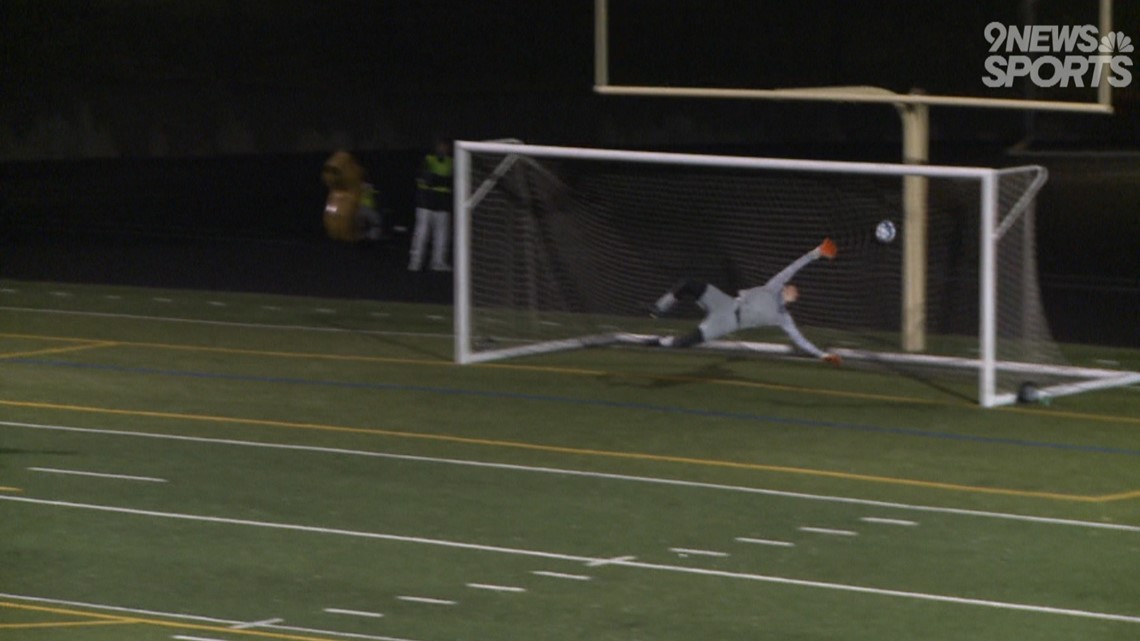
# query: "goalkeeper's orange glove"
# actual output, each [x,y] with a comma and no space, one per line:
[827,248]
[833,359]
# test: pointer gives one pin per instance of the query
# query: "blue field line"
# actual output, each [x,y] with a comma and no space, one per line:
[667,409]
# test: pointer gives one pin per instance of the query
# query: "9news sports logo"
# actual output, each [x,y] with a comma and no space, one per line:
[1066,56]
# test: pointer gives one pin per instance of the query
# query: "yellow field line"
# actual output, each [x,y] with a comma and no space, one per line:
[99,618]
[161,623]
[41,337]
[59,624]
[640,456]
[247,352]
[58,350]
[1123,496]
[10,489]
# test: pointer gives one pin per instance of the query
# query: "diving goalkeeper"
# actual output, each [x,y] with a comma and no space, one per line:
[763,306]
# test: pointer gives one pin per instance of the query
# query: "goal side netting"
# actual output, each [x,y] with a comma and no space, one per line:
[566,248]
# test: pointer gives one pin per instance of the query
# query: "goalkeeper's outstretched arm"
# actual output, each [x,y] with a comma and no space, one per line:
[789,327]
[826,249]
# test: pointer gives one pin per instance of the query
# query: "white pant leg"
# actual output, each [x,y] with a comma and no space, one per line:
[369,222]
[441,239]
[419,239]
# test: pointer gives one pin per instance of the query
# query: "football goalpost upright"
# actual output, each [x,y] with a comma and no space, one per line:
[563,248]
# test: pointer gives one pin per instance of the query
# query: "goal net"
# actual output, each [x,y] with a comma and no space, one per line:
[565,248]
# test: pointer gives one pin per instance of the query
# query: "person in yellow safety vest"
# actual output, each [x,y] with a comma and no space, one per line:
[350,209]
[433,209]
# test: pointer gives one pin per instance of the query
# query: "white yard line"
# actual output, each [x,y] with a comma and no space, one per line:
[697,552]
[625,562]
[783,544]
[881,521]
[355,613]
[599,475]
[427,600]
[597,563]
[824,530]
[256,624]
[496,588]
[305,528]
[102,475]
[562,575]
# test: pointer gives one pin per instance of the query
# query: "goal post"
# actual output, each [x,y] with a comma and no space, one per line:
[562,248]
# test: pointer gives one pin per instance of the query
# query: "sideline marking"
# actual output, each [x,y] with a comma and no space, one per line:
[640,456]
[125,477]
[626,562]
[598,475]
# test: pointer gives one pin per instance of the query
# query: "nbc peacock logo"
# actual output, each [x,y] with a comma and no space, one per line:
[1115,42]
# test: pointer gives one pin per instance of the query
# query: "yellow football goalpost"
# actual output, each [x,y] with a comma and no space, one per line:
[913,111]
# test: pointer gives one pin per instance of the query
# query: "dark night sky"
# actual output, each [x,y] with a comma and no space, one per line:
[412,44]
[184,66]
[401,46]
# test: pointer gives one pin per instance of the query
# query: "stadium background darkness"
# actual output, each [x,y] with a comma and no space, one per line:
[169,143]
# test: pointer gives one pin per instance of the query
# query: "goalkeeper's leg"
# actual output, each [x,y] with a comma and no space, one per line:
[720,321]
[717,324]
[707,296]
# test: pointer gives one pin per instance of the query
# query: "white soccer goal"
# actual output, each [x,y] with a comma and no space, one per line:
[563,248]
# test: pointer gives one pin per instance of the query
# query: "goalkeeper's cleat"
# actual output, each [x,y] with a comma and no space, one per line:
[663,305]
[828,249]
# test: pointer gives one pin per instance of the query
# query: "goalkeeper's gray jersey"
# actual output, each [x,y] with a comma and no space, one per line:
[761,306]
[764,307]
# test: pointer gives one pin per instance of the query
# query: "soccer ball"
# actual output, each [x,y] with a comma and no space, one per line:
[885,232]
